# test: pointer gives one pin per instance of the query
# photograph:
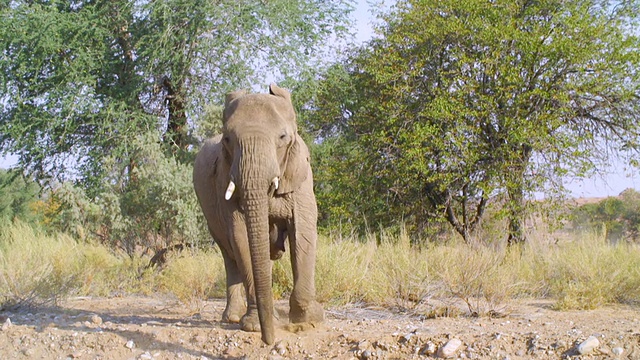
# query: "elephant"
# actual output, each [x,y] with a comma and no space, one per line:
[255,186]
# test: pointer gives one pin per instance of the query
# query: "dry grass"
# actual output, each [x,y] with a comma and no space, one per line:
[193,276]
[584,272]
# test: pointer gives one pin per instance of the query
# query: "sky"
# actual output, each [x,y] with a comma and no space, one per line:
[616,179]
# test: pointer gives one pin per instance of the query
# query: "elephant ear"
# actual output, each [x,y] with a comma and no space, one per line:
[228,106]
[232,96]
[280,92]
[297,168]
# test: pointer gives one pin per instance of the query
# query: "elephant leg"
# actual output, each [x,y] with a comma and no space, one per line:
[236,306]
[250,320]
[303,306]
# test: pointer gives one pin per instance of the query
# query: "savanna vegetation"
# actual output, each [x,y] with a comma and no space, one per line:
[429,142]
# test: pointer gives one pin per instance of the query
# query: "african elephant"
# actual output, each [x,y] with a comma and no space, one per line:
[255,187]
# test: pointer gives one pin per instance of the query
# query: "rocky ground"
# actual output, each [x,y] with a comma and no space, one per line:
[152,328]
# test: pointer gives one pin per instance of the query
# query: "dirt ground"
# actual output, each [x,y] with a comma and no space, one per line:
[153,328]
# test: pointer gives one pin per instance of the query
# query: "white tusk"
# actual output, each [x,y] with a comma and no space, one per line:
[276,182]
[230,189]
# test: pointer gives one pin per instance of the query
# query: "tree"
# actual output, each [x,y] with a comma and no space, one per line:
[81,78]
[105,101]
[18,197]
[462,101]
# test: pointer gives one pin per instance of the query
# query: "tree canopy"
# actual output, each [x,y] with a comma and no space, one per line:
[105,101]
[459,102]
[81,78]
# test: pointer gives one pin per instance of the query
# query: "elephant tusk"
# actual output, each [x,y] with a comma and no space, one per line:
[230,189]
[276,182]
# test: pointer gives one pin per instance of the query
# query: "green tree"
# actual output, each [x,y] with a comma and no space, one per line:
[113,96]
[461,101]
[81,78]
[18,197]
[619,215]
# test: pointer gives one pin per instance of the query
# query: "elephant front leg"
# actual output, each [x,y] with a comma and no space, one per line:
[236,306]
[249,320]
[303,306]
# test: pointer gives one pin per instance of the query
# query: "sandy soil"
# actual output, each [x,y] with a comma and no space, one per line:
[153,328]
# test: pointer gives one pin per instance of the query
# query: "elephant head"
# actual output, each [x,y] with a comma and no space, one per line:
[262,149]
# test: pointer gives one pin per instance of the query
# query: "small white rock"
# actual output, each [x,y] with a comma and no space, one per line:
[617,351]
[450,348]
[6,325]
[96,320]
[588,345]
[429,348]
[130,344]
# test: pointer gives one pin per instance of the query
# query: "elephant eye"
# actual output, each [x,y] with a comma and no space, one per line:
[226,139]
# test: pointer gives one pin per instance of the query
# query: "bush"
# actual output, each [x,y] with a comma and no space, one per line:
[19,198]
[620,216]
[149,209]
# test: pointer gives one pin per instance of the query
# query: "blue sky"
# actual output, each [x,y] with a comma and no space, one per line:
[616,179]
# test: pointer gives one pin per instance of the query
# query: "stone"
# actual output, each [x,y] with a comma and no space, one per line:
[617,351]
[587,346]
[130,344]
[6,325]
[429,348]
[96,320]
[364,345]
[449,349]
[281,348]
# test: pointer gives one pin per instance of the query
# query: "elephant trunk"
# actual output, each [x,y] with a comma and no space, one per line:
[255,172]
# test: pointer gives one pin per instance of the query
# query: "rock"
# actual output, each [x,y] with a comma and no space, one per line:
[281,348]
[363,345]
[588,345]
[145,356]
[449,349]
[429,348]
[130,344]
[365,355]
[76,354]
[617,351]
[96,320]
[6,325]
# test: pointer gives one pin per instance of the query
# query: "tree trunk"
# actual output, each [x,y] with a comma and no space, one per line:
[516,216]
[175,134]
[515,193]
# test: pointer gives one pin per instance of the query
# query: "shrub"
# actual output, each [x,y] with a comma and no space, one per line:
[619,215]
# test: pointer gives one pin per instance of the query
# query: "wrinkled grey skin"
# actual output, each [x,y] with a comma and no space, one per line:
[260,143]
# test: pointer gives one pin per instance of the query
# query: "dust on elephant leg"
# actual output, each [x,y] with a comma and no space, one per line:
[296,328]
[311,313]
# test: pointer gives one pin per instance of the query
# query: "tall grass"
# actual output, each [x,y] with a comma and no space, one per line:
[40,269]
[584,272]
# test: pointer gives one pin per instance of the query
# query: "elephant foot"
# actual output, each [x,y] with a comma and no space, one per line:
[313,312]
[233,313]
[250,321]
